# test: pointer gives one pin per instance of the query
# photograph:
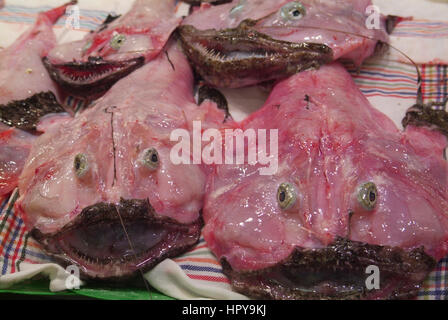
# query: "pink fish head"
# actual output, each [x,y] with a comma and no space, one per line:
[250,41]
[89,67]
[102,192]
[351,191]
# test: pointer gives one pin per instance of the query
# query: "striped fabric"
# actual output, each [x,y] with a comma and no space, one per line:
[422,28]
[89,19]
[398,80]
[377,78]
[200,264]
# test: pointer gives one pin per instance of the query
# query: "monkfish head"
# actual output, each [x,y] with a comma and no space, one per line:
[352,194]
[101,191]
[89,67]
[250,41]
[110,205]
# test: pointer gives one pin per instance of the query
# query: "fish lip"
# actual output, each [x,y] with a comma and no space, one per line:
[214,54]
[401,271]
[181,237]
[102,74]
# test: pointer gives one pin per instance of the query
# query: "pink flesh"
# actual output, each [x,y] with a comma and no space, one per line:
[22,73]
[341,15]
[15,146]
[51,193]
[328,148]
[147,27]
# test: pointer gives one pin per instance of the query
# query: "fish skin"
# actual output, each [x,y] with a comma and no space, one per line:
[22,73]
[15,146]
[141,116]
[331,141]
[83,68]
[23,83]
[318,25]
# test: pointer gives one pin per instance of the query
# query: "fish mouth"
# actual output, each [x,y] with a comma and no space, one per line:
[113,241]
[337,272]
[242,56]
[93,77]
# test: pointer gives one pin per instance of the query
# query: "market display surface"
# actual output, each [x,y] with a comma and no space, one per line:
[369,189]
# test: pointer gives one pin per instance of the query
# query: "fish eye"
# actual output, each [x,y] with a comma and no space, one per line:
[368,195]
[117,41]
[151,159]
[286,196]
[81,165]
[293,11]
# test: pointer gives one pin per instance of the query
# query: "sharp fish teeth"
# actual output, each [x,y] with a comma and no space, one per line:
[220,56]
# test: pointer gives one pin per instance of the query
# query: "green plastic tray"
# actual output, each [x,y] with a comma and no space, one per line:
[40,288]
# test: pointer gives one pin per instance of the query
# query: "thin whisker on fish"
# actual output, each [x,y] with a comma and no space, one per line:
[352,34]
[133,251]
[419,76]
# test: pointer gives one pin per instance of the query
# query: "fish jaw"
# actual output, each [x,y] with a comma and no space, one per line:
[242,56]
[93,77]
[337,272]
[112,241]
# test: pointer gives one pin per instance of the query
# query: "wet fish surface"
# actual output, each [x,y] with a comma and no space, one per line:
[101,191]
[246,42]
[27,95]
[89,67]
[351,191]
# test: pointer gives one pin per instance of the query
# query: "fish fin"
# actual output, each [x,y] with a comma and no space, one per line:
[392,22]
[432,116]
[208,93]
[26,114]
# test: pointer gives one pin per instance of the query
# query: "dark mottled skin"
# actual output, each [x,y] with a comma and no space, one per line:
[91,88]
[109,19]
[26,114]
[427,116]
[208,93]
[180,237]
[335,272]
[289,58]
